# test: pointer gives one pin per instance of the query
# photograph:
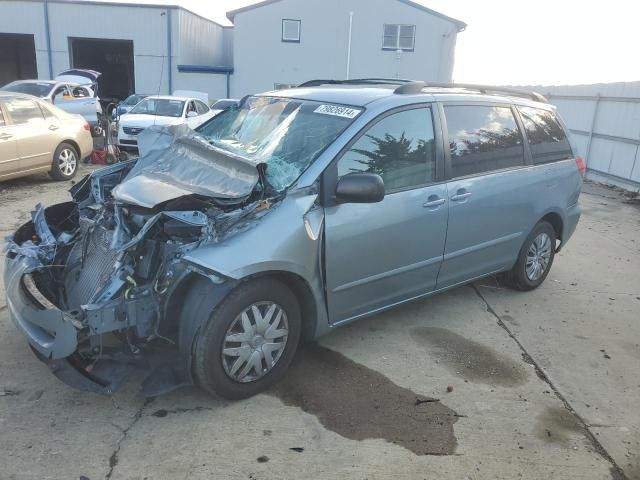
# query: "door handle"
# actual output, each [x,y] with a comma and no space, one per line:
[461,195]
[434,202]
[5,136]
[53,127]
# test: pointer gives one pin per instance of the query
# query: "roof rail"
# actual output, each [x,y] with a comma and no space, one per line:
[357,81]
[416,87]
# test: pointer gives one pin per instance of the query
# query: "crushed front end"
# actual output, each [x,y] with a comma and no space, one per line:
[94,283]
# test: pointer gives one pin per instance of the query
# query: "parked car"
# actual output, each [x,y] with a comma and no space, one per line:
[280,219]
[74,91]
[128,103]
[222,104]
[36,136]
[160,110]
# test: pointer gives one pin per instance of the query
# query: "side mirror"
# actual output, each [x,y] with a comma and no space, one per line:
[360,188]
[192,114]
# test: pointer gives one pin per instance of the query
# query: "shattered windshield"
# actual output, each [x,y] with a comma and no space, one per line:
[163,107]
[285,134]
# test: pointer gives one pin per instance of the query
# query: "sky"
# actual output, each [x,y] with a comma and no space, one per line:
[534,42]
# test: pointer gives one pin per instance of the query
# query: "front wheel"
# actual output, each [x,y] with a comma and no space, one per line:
[65,162]
[249,339]
[535,258]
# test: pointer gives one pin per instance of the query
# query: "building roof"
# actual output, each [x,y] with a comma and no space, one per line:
[171,4]
[458,23]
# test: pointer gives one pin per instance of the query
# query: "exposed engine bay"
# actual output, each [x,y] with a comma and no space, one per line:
[111,260]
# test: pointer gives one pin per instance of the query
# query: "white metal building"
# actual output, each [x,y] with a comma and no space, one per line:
[159,48]
[143,48]
[286,42]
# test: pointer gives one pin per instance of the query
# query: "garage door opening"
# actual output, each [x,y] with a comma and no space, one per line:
[113,58]
[17,57]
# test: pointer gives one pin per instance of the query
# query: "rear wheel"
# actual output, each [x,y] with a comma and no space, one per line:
[535,258]
[65,162]
[249,339]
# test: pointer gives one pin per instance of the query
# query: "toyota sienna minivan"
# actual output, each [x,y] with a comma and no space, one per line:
[211,257]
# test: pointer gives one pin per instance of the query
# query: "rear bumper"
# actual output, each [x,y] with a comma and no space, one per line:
[85,142]
[49,331]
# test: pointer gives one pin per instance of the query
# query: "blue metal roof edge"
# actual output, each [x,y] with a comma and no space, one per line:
[205,69]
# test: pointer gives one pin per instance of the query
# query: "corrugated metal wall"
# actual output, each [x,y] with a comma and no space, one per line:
[605,123]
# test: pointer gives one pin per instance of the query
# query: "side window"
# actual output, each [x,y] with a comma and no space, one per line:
[201,108]
[191,107]
[23,111]
[46,112]
[59,93]
[547,139]
[400,148]
[80,92]
[482,139]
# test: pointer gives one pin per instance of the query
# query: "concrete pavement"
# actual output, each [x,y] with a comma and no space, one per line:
[479,383]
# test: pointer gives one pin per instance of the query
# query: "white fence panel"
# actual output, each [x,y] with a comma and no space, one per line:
[604,120]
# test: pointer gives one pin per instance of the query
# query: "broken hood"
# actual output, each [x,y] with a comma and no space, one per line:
[175,161]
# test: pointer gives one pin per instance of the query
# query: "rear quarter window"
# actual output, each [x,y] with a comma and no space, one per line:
[482,138]
[547,139]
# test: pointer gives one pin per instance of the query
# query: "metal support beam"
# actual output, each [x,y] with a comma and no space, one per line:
[588,98]
[604,136]
[47,34]
[169,53]
[593,126]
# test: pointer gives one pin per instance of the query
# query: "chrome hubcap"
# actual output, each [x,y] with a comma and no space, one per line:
[67,161]
[255,341]
[538,257]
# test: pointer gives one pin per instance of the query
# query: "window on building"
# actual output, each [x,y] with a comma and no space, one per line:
[399,37]
[400,148]
[483,139]
[547,140]
[291,30]
[23,110]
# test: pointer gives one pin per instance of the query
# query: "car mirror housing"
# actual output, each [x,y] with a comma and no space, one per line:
[360,188]
[192,114]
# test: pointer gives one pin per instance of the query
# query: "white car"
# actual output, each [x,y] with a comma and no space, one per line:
[160,110]
[74,91]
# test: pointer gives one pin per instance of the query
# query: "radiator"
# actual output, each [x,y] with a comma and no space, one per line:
[81,282]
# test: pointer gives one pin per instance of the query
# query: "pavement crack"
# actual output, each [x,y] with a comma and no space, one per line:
[113,459]
[616,472]
[163,412]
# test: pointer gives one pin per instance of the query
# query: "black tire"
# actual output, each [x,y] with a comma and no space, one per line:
[58,170]
[517,277]
[207,366]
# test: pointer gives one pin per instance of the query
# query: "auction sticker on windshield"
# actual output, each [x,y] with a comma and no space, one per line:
[338,111]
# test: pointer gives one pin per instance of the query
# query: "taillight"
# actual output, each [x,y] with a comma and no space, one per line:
[582,167]
[86,126]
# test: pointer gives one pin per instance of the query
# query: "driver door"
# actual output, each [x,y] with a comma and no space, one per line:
[380,254]
[192,117]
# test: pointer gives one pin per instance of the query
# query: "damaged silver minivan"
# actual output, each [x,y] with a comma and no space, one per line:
[211,257]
